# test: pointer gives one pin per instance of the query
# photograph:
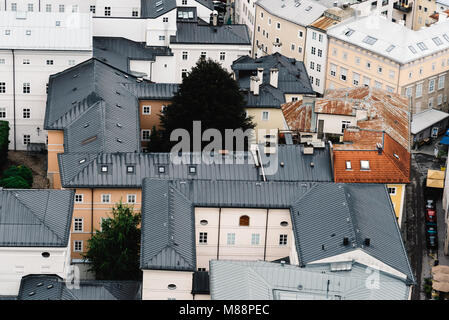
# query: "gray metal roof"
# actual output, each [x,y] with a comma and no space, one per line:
[153,91]
[83,169]
[292,79]
[426,119]
[35,218]
[194,33]
[119,51]
[258,280]
[330,212]
[97,107]
[52,287]
[317,216]
[153,9]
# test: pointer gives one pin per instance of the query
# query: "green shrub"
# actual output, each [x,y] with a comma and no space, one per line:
[4,142]
[15,182]
[19,171]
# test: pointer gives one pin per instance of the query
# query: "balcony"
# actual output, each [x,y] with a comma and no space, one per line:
[403,7]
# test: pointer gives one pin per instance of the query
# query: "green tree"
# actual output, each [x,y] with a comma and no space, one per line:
[156,141]
[4,141]
[20,171]
[14,182]
[208,94]
[114,251]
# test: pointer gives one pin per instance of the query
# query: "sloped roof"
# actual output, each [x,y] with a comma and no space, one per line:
[153,91]
[273,281]
[427,118]
[74,32]
[322,214]
[119,51]
[299,116]
[195,33]
[292,79]
[35,218]
[330,212]
[53,287]
[153,9]
[83,169]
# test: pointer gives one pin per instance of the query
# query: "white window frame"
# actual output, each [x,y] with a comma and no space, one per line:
[441,80]
[75,242]
[230,239]
[78,224]
[348,165]
[146,112]
[143,133]
[108,198]
[283,238]
[255,239]
[79,198]
[202,238]
[364,165]
[392,191]
[131,196]
[267,117]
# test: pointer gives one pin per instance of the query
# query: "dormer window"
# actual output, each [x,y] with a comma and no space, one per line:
[161,169]
[348,165]
[130,169]
[104,168]
[192,169]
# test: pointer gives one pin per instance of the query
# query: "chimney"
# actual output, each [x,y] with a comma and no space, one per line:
[379,148]
[214,18]
[277,47]
[254,85]
[260,75]
[274,76]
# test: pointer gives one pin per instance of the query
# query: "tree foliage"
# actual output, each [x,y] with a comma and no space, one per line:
[114,251]
[14,182]
[208,94]
[19,171]
[4,141]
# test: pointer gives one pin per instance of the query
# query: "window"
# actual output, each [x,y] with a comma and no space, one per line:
[79,198]
[299,49]
[391,74]
[317,82]
[390,48]
[430,102]
[30,7]
[348,165]
[13,6]
[78,246]
[369,40]
[357,60]
[61,8]
[344,125]
[314,35]
[146,110]
[422,46]
[26,113]
[379,69]
[333,70]
[2,113]
[311,79]
[2,61]
[135,12]
[161,169]
[418,90]
[58,23]
[130,169]
[320,53]
[440,99]
[318,67]
[222,56]
[265,115]
[231,238]
[28,32]
[105,198]
[345,56]
[184,73]
[146,135]
[431,85]
[26,61]
[71,62]
[74,8]
[165,19]
[320,38]
[131,198]
[203,237]
[92,9]
[355,79]
[278,26]
[292,47]
[343,73]
[390,89]
[104,168]
[244,221]
[184,55]
[312,65]
[364,165]
[184,2]
[313,50]
[334,52]
[378,84]
[78,225]
[26,87]
[161,38]
[107,11]
[282,239]
[408,92]
[255,239]
[203,55]
[300,34]
[441,82]
[50,62]
[26,139]
[392,190]
[368,65]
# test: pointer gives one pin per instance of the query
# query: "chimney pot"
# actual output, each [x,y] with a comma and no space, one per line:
[274,77]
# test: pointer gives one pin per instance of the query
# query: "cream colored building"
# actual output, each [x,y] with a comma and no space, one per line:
[367,51]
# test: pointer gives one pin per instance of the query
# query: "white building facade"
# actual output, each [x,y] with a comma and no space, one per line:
[245,13]
[32,47]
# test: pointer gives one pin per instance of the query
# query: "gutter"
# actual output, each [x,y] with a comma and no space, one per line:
[266,232]
[14,95]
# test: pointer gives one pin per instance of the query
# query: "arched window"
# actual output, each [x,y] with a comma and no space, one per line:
[244,221]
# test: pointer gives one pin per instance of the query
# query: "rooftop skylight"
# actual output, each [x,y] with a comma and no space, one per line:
[370,40]
[437,41]
[422,46]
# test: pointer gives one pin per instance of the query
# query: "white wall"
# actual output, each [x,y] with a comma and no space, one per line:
[37,74]
[17,262]
[155,285]
[245,11]
[202,11]
[333,123]
[132,29]
[243,249]
[317,60]
[163,70]
[156,28]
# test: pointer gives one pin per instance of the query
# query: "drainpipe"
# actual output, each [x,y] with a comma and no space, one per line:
[219,229]
[92,212]
[14,95]
[266,232]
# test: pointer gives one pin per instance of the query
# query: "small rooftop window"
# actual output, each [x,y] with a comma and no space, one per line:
[348,165]
[370,40]
[349,32]
[82,161]
[104,168]
[28,32]
[58,23]
[437,41]
[161,169]
[390,48]
[7,32]
[130,169]
[422,46]
[446,37]
[192,169]
[412,49]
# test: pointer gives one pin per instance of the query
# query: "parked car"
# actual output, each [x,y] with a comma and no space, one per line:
[431,215]
[432,241]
